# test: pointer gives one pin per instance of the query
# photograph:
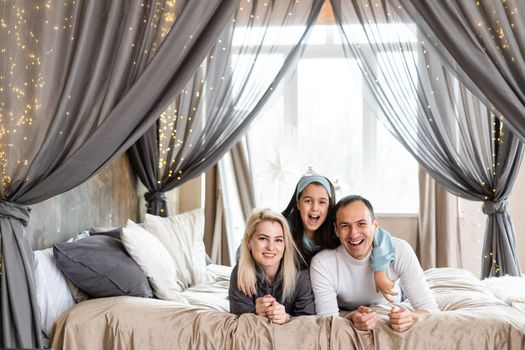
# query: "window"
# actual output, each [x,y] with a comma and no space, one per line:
[318,120]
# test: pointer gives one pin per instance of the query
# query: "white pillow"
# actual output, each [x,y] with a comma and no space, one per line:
[154,260]
[182,235]
[52,293]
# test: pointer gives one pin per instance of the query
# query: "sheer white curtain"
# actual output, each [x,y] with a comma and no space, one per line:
[318,122]
[265,39]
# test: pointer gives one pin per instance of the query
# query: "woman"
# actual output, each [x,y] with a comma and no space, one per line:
[266,281]
[310,216]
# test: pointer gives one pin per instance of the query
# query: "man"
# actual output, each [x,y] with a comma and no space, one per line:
[343,277]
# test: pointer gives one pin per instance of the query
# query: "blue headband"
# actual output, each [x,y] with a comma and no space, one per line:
[306,180]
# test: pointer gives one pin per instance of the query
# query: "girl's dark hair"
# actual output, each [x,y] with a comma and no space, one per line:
[324,236]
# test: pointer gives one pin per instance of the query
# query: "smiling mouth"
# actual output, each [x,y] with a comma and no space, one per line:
[355,242]
[313,218]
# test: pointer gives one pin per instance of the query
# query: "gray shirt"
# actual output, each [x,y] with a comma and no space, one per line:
[301,302]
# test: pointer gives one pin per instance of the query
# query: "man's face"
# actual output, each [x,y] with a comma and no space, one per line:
[355,228]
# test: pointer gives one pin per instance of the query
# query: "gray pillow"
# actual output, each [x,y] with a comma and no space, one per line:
[114,232]
[100,266]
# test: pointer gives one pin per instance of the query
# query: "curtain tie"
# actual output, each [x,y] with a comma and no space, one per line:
[14,210]
[491,208]
[155,196]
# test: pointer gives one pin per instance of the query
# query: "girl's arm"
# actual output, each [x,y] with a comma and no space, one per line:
[381,257]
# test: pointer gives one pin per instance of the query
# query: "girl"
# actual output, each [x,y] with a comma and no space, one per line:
[266,280]
[310,216]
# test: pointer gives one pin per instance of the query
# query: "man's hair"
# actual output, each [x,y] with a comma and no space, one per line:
[343,202]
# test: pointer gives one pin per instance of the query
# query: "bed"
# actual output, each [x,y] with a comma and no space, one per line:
[150,288]
[474,314]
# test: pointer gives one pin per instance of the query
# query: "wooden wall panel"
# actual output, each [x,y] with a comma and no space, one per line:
[107,199]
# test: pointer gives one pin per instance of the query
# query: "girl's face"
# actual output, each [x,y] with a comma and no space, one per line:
[267,246]
[313,207]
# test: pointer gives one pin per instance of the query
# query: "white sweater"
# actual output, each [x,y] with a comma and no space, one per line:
[340,281]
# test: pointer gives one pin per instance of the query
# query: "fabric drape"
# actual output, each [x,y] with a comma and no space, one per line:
[216,239]
[17,276]
[236,195]
[213,211]
[228,185]
[453,134]
[243,179]
[79,87]
[216,106]
[144,158]
[484,43]
[438,225]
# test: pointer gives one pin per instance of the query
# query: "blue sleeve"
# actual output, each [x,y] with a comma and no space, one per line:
[382,250]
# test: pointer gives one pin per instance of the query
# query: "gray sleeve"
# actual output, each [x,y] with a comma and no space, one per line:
[304,297]
[240,303]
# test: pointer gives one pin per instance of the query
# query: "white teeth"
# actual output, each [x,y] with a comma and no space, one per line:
[356,242]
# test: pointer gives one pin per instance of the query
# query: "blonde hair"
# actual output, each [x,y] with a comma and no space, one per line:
[246,278]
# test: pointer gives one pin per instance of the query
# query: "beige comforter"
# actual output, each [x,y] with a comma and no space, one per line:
[472,317]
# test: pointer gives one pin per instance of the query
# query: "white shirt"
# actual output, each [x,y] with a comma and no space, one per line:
[341,281]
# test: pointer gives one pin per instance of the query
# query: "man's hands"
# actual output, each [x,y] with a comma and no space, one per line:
[400,319]
[364,319]
[269,307]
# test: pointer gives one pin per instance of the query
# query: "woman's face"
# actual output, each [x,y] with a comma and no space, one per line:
[313,207]
[267,245]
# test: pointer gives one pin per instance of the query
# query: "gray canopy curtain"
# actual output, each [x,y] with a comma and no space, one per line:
[78,87]
[459,141]
[483,41]
[215,108]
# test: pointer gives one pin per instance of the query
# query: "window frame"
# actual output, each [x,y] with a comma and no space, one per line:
[332,48]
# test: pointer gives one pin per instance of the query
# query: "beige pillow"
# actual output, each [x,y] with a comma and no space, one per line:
[78,294]
[153,258]
[182,235]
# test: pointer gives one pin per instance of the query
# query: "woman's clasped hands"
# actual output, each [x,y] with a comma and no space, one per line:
[269,307]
